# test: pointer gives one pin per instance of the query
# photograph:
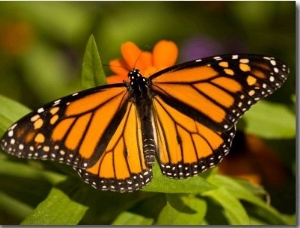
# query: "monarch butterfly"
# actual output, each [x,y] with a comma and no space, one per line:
[184,116]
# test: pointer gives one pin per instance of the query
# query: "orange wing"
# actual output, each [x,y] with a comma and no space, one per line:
[93,131]
[122,166]
[187,147]
[217,91]
[198,103]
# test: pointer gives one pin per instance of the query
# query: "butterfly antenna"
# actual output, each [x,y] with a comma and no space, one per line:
[137,59]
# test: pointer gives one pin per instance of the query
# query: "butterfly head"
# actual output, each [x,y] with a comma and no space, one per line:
[139,85]
[134,74]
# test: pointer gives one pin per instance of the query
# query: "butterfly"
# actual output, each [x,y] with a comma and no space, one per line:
[183,116]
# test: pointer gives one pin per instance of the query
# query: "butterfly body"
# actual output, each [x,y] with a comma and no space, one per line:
[183,116]
[141,96]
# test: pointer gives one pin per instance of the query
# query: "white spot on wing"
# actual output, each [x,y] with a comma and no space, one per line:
[40,110]
[10,133]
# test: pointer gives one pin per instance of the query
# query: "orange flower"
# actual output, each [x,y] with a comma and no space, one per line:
[164,55]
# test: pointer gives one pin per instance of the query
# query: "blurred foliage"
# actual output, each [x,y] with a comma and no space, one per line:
[42,45]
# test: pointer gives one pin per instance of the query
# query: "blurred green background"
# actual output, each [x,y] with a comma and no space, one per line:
[42,44]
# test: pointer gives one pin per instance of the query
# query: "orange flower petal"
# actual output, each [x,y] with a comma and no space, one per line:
[144,62]
[130,53]
[116,79]
[119,66]
[164,54]
[149,71]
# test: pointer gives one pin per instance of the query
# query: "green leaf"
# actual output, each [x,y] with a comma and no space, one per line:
[10,111]
[27,184]
[270,120]
[182,209]
[160,183]
[106,206]
[14,207]
[21,170]
[92,71]
[234,210]
[59,208]
[237,188]
[242,191]
[127,218]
